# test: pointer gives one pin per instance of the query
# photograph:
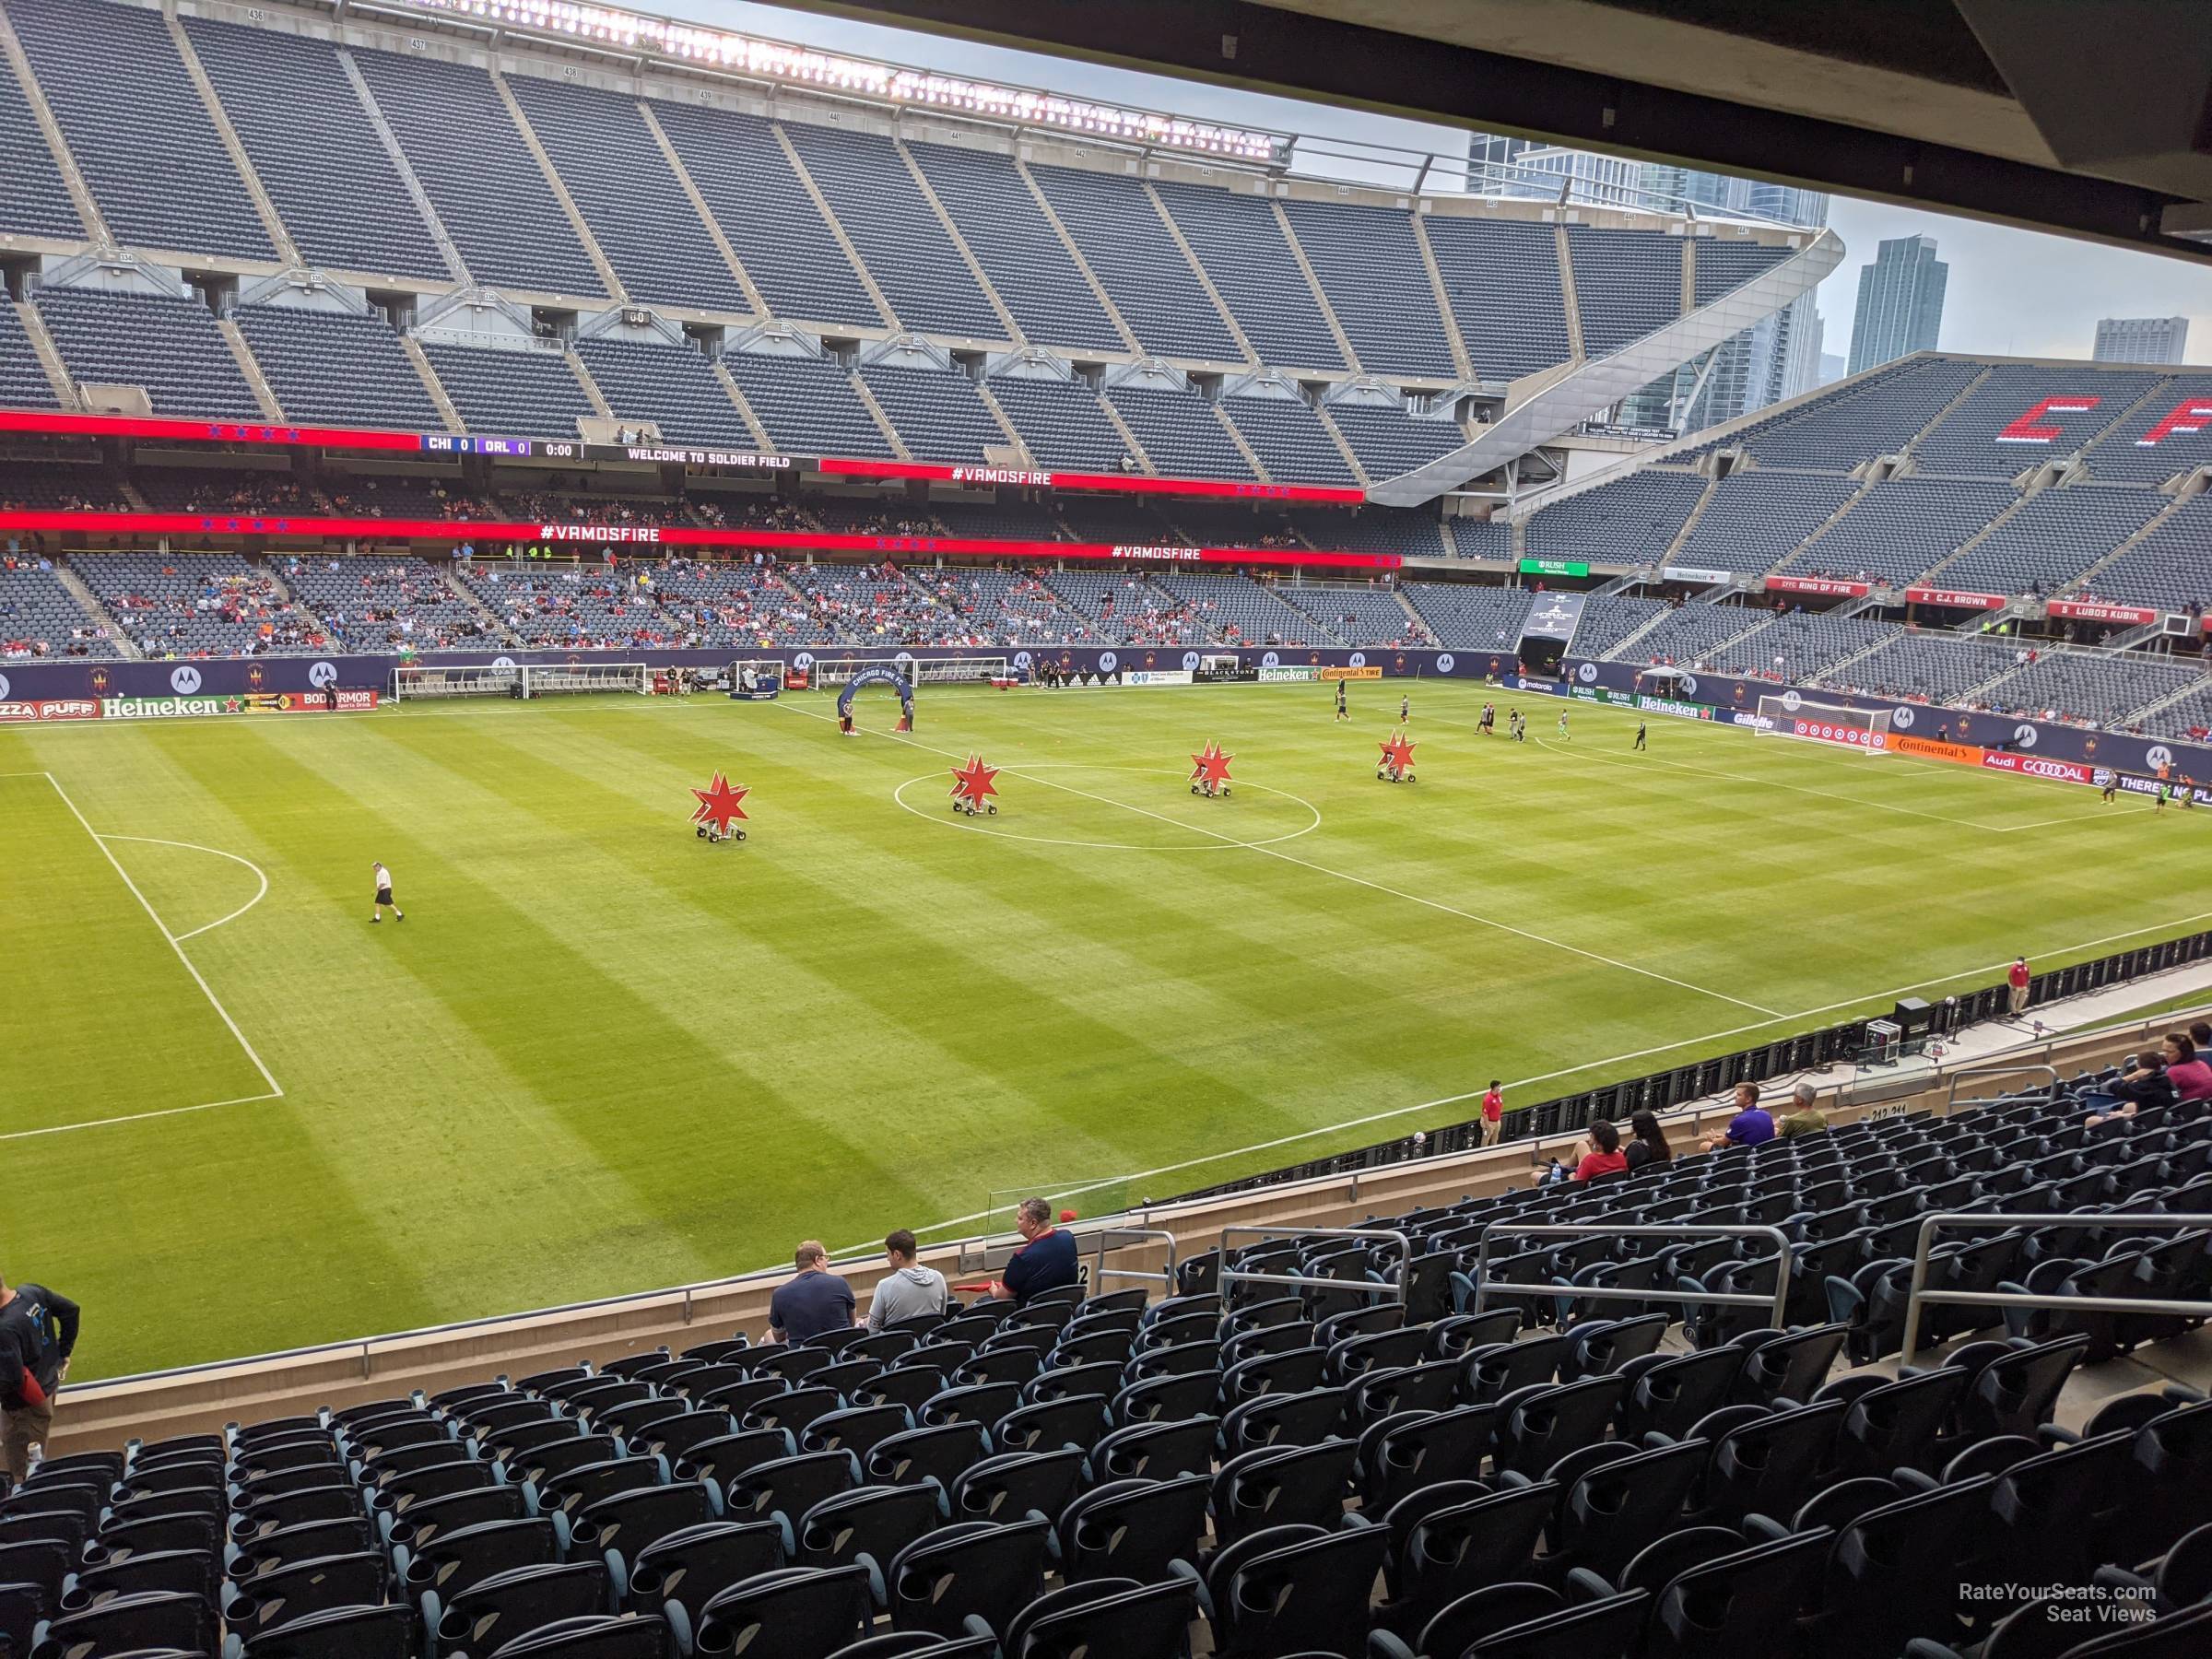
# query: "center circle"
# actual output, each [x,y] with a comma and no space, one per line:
[1209,844]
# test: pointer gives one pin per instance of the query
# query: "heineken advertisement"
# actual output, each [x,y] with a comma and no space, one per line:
[1555,567]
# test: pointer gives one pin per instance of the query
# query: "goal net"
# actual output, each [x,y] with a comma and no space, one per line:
[484,680]
[917,669]
[1864,730]
[543,681]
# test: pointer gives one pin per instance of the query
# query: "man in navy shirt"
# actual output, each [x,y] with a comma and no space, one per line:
[815,1301]
[1046,1261]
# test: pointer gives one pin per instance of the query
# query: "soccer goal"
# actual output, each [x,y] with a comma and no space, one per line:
[918,669]
[543,681]
[1863,729]
[483,680]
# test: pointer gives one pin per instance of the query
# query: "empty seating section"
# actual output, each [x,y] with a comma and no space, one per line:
[1106,519]
[672,385]
[222,491]
[487,187]
[1490,539]
[1502,278]
[1061,422]
[40,621]
[1389,441]
[940,414]
[1179,432]
[580,609]
[1631,521]
[736,605]
[1238,241]
[1239,611]
[1008,519]
[2083,688]
[335,369]
[901,240]
[2049,413]
[1901,527]
[1879,416]
[1289,440]
[1758,519]
[33,200]
[1119,232]
[186,605]
[373,604]
[136,127]
[1627,283]
[808,405]
[1799,645]
[2170,567]
[71,487]
[1471,618]
[1358,615]
[23,383]
[2171,433]
[1030,269]
[1207,524]
[170,347]
[1410,532]
[1002,607]
[1609,618]
[2052,539]
[1692,633]
[1927,667]
[519,393]
[760,205]
[1724,267]
[312,146]
[1127,610]
[1371,268]
[2190,717]
[623,186]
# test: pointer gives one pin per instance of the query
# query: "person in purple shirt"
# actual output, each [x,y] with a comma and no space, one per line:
[1751,1124]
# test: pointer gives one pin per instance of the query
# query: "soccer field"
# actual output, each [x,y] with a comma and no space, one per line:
[600,1055]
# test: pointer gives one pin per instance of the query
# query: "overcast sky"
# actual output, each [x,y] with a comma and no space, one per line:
[2011,293]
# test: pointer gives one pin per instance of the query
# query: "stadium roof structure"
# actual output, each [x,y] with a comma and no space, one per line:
[1998,108]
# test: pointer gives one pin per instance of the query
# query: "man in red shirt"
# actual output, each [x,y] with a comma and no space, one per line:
[2017,978]
[1493,1115]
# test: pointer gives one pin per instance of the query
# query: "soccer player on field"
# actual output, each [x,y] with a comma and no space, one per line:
[1404,707]
[1639,743]
[1488,722]
[384,895]
[1342,712]
[1563,725]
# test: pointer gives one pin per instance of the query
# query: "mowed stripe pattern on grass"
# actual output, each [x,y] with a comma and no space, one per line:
[600,1056]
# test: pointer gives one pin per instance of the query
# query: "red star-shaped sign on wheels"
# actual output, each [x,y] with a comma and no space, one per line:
[717,804]
[1397,754]
[1211,769]
[972,782]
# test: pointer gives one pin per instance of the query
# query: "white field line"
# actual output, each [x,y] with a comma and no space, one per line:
[276,1088]
[1518,1083]
[136,1117]
[1305,863]
[154,840]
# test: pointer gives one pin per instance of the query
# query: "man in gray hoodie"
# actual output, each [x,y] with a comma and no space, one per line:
[907,1291]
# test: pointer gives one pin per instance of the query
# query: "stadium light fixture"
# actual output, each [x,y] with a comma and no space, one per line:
[767,60]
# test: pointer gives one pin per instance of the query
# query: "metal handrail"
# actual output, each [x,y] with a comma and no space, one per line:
[1919,1296]
[1123,1238]
[1996,1069]
[1583,1229]
[1307,1281]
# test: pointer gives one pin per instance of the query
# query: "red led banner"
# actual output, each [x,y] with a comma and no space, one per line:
[453,532]
[1954,599]
[1127,483]
[1817,584]
[2095,610]
[206,431]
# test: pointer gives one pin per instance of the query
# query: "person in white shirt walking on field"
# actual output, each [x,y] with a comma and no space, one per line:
[384,895]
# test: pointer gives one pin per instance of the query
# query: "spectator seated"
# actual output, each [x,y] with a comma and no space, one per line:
[198,605]
[40,619]
[373,606]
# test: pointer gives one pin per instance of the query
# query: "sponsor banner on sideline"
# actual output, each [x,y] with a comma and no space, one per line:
[1367,672]
[1278,677]
[1840,732]
[251,702]
[1674,707]
[1929,748]
[51,708]
[1157,676]
[2038,766]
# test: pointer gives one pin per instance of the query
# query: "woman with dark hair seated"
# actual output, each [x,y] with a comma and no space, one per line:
[1649,1146]
[1601,1153]
[2176,1073]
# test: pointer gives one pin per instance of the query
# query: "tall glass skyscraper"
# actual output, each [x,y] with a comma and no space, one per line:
[1900,302]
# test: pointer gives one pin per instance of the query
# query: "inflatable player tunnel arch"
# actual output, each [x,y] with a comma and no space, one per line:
[879,676]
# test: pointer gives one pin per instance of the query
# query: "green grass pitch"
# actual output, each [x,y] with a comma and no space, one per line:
[600,1055]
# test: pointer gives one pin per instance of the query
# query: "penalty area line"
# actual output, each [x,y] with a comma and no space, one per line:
[276,1088]
[137,1117]
[1306,864]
